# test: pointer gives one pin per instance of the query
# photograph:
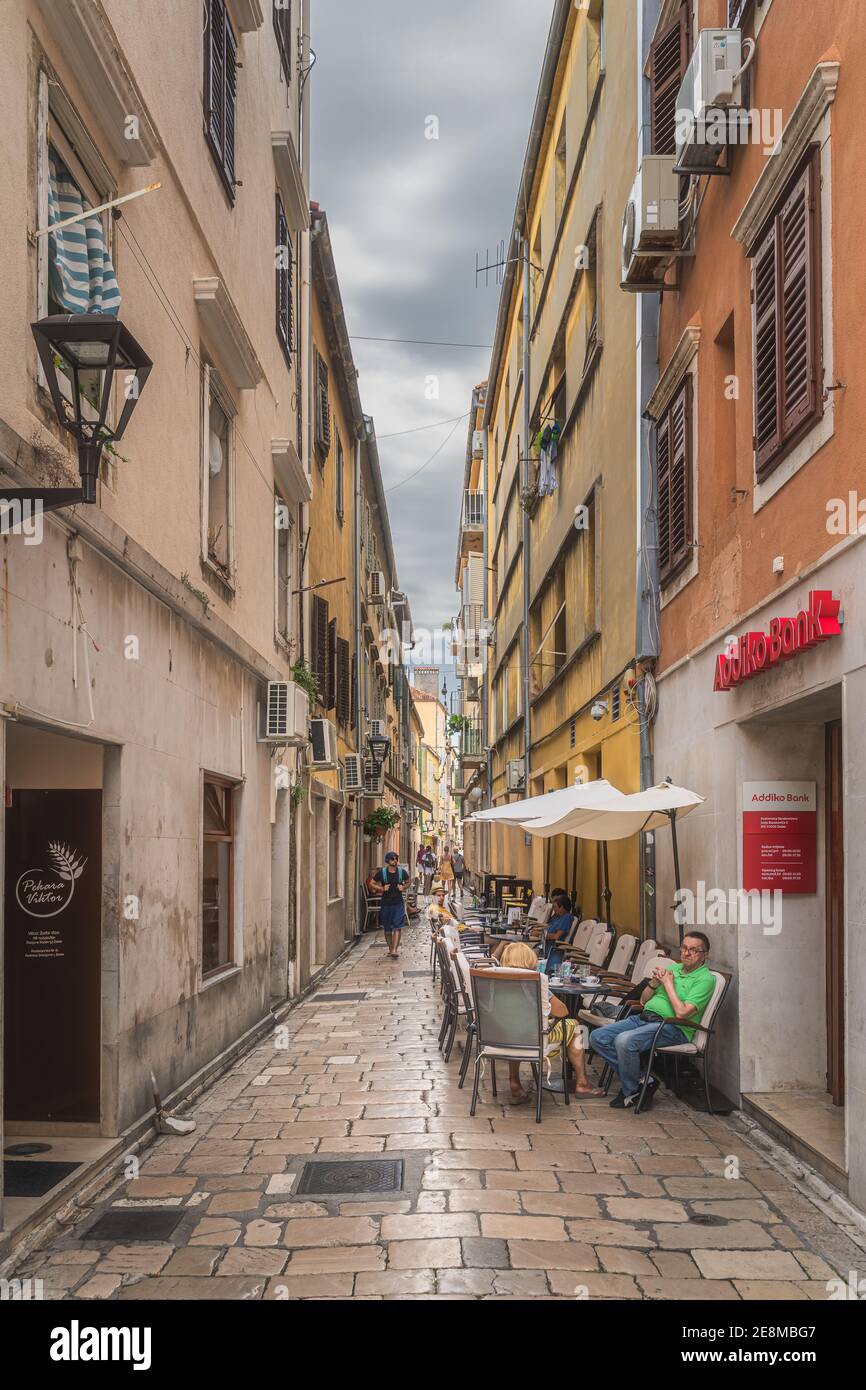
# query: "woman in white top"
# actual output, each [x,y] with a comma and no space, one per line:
[518,956]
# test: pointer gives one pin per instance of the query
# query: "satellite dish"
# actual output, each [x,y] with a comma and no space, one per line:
[215,454]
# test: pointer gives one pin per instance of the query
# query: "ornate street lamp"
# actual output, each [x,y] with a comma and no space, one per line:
[86,343]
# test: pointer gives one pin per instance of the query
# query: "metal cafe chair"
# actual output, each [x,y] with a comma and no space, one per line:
[699,1046]
[510,1026]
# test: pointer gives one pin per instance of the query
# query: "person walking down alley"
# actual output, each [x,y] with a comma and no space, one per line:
[393,881]
[429,870]
[446,870]
[459,865]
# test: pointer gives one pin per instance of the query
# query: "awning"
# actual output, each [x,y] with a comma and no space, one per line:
[580,797]
[408,793]
[614,815]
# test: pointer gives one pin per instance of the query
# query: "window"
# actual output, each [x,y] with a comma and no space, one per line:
[220,91]
[323,410]
[217,890]
[548,632]
[284,547]
[738,11]
[336,850]
[786,332]
[217,475]
[674,456]
[536,271]
[283,31]
[594,45]
[340,481]
[560,176]
[284,285]
[344,682]
[319,644]
[669,58]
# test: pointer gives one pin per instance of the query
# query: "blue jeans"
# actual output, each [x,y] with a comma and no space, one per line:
[622,1043]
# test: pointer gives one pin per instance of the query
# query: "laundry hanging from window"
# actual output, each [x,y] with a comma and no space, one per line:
[81,278]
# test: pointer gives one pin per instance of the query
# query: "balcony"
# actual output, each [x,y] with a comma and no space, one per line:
[471,741]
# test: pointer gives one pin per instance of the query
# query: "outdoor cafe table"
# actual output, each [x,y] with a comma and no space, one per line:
[571,994]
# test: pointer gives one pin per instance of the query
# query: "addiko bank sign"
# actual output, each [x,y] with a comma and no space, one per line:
[755,652]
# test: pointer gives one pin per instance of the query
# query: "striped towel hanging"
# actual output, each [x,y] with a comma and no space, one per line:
[81,276]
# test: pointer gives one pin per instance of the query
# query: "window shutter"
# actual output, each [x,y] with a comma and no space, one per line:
[323,409]
[344,703]
[215,69]
[231,89]
[285,307]
[674,463]
[283,31]
[663,456]
[765,337]
[353,692]
[669,58]
[331,679]
[797,263]
[319,643]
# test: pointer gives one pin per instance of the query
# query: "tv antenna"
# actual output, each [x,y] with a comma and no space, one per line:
[498,265]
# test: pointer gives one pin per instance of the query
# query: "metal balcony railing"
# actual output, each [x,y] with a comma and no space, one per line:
[473,510]
[471,741]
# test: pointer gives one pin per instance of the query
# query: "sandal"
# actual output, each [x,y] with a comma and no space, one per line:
[523,1099]
[594,1094]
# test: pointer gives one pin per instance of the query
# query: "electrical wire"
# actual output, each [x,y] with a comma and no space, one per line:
[434,455]
[418,342]
[455,419]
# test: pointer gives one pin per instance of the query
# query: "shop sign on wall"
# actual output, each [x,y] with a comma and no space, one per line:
[780,836]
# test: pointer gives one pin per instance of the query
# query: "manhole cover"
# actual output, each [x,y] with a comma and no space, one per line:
[362,1175]
[134,1225]
[414,974]
[336,998]
[24,1150]
[703,1219]
[33,1177]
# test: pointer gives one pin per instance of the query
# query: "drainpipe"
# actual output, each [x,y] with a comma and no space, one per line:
[647,581]
[527,720]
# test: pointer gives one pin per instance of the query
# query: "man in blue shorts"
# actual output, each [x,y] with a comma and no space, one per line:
[393,882]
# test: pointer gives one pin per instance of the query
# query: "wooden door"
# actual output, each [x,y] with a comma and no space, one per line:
[835,925]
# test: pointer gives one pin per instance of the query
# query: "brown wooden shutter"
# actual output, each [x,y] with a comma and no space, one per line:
[319,644]
[674,459]
[798,319]
[668,61]
[344,702]
[285,307]
[231,104]
[283,31]
[331,680]
[220,71]
[765,338]
[353,692]
[323,409]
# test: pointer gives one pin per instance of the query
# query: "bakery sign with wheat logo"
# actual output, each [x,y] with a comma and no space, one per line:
[47,891]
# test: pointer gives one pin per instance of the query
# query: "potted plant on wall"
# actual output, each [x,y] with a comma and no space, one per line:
[380,821]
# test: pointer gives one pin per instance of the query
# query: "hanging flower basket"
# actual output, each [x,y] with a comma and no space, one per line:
[380,821]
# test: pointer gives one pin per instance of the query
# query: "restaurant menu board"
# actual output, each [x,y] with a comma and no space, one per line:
[780,836]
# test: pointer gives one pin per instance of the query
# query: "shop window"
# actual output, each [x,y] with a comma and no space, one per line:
[786,286]
[217,920]
[217,475]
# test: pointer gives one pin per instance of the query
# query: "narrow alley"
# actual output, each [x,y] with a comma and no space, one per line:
[588,1204]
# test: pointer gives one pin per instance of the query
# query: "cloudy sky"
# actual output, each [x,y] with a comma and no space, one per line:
[407,215]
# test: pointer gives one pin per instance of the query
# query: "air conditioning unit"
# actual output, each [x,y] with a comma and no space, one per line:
[376,587]
[286,714]
[374,777]
[709,111]
[477,444]
[397,599]
[514,778]
[323,743]
[472,689]
[379,728]
[651,224]
[353,773]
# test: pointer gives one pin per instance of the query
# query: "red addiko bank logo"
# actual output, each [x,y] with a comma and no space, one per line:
[759,651]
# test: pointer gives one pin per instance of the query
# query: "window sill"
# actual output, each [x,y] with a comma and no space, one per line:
[675,583]
[217,578]
[797,455]
[333,901]
[216,977]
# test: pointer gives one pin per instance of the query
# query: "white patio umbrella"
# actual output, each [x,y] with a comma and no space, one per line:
[618,817]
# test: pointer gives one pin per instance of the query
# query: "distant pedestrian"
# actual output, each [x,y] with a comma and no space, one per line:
[429,870]
[446,870]
[459,864]
[392,911]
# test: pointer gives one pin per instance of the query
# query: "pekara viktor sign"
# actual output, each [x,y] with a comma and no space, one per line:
[754,652]
[53,952]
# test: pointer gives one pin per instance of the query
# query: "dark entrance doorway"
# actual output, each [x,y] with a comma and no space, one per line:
[835,916]
[53,897]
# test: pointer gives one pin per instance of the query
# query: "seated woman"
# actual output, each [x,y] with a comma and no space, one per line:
[556,931]
[518,956]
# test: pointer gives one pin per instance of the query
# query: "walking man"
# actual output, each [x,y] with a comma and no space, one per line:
[429,870]
[459,864]
[393,882]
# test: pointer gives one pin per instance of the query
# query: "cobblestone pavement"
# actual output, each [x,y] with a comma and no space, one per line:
[591,1203]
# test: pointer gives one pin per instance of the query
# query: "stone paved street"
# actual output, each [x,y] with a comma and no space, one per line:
[591,1203]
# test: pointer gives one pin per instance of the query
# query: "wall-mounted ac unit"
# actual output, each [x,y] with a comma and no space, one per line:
[286,714]
[374,777]
[397,599]
[514,777]
[375,587]
[353,773]
[651,223]
[709,112]
[472,689]
[323,743]
[379,728]
[477,444]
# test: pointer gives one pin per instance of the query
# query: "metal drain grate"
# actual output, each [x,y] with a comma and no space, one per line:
[25,1150]
[134,1225]
[360,1175]
[33,1177]
[336,998]
[414,974]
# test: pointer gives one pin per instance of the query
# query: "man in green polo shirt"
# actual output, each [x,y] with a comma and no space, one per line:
[679,993]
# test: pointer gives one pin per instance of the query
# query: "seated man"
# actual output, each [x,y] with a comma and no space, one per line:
[517,956]
[438,912]
[679,993]
[556,931]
